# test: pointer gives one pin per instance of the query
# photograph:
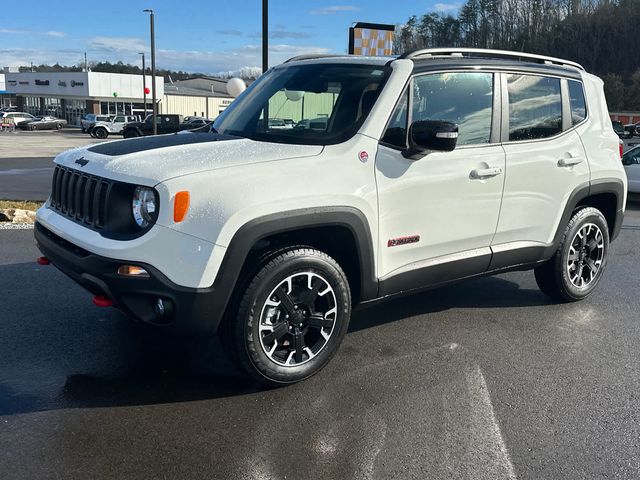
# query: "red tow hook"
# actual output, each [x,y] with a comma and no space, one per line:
[102,301]
[43,261]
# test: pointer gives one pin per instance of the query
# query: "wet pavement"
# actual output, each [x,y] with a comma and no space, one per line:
[486,379]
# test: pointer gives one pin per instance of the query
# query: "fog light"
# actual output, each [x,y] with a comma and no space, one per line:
[132,271]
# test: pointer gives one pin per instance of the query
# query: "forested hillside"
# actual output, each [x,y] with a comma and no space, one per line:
[602,35]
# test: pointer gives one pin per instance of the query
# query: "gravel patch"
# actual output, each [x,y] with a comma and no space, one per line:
[15,226]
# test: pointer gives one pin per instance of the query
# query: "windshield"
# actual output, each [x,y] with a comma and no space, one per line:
[318,104]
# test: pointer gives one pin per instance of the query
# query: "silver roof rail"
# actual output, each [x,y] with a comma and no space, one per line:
[482,52]
[312,56]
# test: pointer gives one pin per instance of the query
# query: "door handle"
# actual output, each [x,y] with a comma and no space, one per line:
[481,173]
[569,162]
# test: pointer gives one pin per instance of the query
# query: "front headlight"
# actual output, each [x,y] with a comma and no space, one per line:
[144,206]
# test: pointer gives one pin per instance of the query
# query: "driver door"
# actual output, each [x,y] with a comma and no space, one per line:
[438,214]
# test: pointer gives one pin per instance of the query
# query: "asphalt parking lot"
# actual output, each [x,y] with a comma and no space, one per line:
[26,158]
[486,379]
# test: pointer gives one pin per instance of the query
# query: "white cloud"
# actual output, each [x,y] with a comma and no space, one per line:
[335,9]
[234,59]
[122,45]
[16,57]
[444,7]
[13,31]
[18,31]
[126,49]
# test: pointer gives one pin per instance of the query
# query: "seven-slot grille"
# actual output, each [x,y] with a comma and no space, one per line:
[80,197]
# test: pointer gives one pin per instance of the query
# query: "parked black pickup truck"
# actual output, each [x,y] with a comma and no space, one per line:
[168,123]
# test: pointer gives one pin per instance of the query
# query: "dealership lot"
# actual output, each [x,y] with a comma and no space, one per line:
[482,380]
[486,379]
[26,160]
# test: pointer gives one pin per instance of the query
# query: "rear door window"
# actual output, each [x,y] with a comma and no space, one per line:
[535,107]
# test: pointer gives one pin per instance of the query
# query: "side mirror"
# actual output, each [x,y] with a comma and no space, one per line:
[430,135]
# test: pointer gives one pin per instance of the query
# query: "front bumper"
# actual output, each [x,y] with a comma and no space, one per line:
[189,310]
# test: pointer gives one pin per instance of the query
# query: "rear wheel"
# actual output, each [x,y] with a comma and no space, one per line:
[578,264]
[291,318]
[34,127]
[58,126]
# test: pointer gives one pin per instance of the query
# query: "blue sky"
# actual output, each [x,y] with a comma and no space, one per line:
[193,35]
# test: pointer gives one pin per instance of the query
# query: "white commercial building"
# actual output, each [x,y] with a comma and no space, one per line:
[71,95]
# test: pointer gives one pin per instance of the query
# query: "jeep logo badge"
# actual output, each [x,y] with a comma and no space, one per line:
[82,161]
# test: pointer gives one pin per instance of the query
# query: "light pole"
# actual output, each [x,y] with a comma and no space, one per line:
[153,70]
[144,84]
[265,35]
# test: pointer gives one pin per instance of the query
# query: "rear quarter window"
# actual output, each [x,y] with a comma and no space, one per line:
[577,102]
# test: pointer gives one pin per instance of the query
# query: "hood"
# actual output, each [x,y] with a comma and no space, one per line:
[151,160]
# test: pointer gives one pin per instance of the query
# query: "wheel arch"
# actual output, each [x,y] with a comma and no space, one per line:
[339,231]
[607,195]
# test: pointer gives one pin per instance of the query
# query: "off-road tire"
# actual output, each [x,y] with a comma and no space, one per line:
[554,277]
[100,133]
[240,329]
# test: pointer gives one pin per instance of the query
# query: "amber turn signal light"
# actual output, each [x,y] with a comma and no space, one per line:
[132,271]
[180,206]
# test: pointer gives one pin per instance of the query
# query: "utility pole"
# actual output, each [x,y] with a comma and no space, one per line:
[153,70]
[86,68]
[144,84]
[265,35]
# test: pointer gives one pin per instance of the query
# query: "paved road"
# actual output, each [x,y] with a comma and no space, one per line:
[25,178]
[26,160]
[486,379]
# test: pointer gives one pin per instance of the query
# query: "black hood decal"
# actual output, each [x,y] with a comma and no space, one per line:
[135,145]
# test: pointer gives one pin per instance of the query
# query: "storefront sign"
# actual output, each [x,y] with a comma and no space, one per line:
[76,84]
[42,82]
[62,83]
[24,83]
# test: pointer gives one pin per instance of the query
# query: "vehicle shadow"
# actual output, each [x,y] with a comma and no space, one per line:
[58,351]
[480,293]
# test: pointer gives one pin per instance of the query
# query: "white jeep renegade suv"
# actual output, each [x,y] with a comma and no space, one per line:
[399,174]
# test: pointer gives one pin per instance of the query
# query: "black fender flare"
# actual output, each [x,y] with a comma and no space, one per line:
[262,227]
[582,192]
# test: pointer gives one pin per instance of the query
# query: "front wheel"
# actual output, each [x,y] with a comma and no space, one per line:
[578,264]
[291,318]
[34,127]
[58,126]
[101,133]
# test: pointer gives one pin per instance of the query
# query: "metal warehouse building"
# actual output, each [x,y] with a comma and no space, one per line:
[71,95]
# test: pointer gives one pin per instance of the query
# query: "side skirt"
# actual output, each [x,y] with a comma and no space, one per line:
[498,259]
